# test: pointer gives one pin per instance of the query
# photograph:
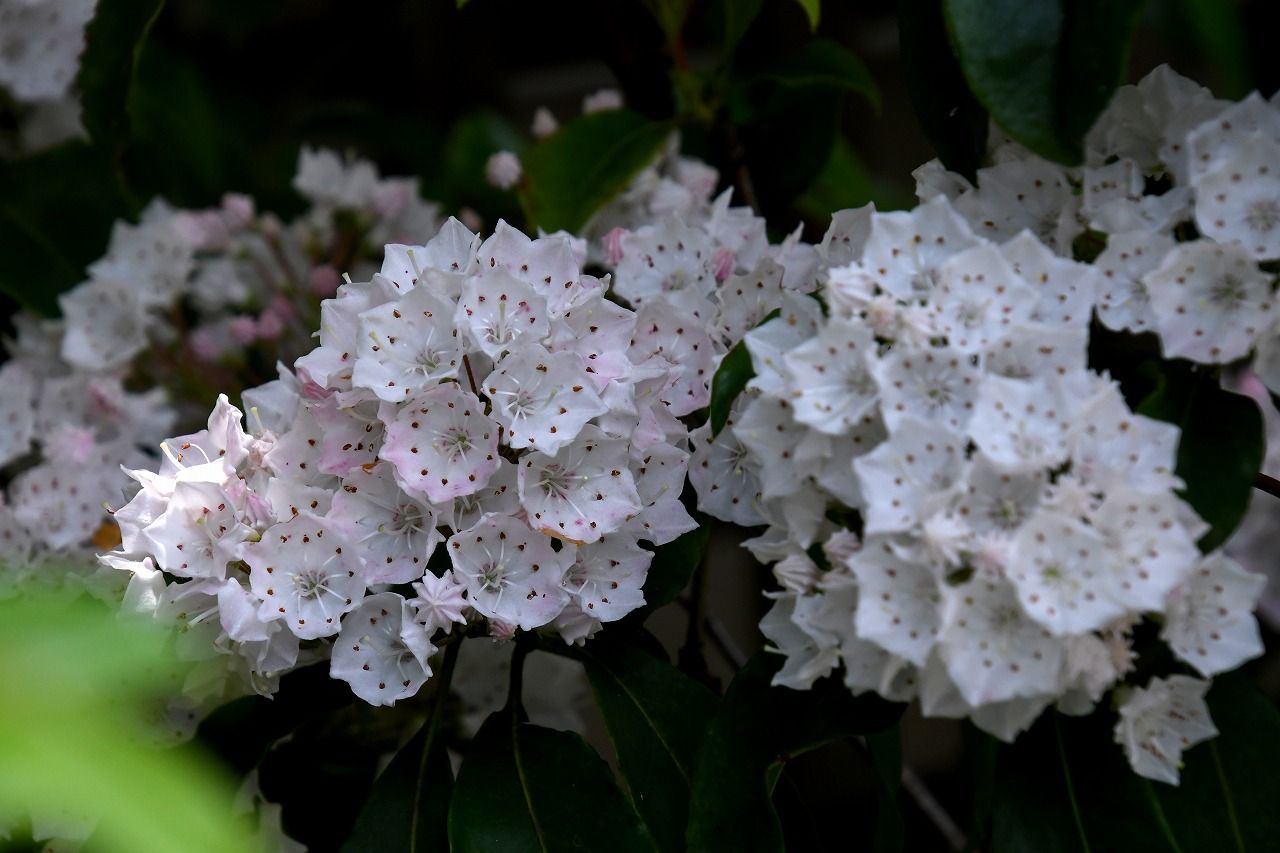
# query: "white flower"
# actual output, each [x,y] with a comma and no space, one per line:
[1211,302]
[978,298]
[582,492]
[512,573]
[831,377]
[381,651]
[306,573]
[442,444]
[905,250]
[397,533]
[933,385]
[899,601]
[1066,574]
[1159,721]
[1123,301]
[1238,200]
[1210,620]
[407,345]
[907,474]
[543,399]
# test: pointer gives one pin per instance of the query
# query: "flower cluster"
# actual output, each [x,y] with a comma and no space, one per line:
[182,302]
[957,508]
[40,46]
[484,403]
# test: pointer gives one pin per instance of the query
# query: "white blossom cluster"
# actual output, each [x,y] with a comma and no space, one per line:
[482,398]
[1013,520]
[40,46]
[1182,186]
[180,301]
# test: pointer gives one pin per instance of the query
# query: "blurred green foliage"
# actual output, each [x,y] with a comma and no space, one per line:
[76,726]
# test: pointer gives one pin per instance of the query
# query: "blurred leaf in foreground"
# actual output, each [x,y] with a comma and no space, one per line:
[77,685]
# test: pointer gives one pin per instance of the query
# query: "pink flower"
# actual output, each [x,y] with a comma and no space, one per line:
[323,280]
[724,261]
[613,246]
[243,329]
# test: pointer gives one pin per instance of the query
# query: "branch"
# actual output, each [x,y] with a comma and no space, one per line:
[1270,485]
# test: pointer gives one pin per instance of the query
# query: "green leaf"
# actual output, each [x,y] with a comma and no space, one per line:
[823,64]
[46,243]
[78,707]
[1228,791]
[948,112]
[737,17]
[758,726]
[1066,786]
[113,44]
[1221,448]
[812,11]
[656,717]
[845,182]
[408,807]
[674,564]
[886,754]
[583,165]
[733,374]
[1044,69]
[523,787]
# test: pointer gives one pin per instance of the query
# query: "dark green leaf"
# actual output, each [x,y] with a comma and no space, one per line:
[1216,31]
[460,178]
[886,754]
[656,717]
[56,212]
[674,563]
[1229,790]
[33,271]
[733,374]
[408,808]
[948,113]
[1065,786]
[823,64]
[845,182]
[523,787]
[1044,70]
[757,726]
[737,17]
[113,44]
[1093,63]
[1220,451]
[581,167]
[812,11]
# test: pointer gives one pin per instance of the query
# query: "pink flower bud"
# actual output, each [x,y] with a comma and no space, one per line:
[468,217]
[724,261]
[613,246]
[323,280]
[243,329]
[503,171]
[544,123]
[237,210]
[204,345]
[269,325]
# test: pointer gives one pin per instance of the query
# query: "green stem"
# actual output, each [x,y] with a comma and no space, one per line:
[515,686]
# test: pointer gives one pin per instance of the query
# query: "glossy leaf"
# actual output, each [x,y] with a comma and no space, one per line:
[812,11]
[756,727]
[656,717]
[1221,449]
[1044,69]
[524,787]
[823,64]
[581,167]
[948,112]
[733,374]
[408,807]
[1065,786]
[113,45]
